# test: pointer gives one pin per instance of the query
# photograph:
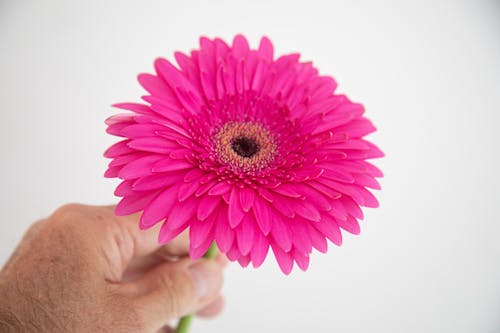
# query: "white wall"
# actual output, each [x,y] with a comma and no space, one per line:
[429,74]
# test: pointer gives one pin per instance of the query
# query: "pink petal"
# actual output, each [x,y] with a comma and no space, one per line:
[124,189]
[182,212]
[153,145]
[244,261]
[156,181]
[186,190]
[189,68]
[351,207]
[261,212]
[368,198]
[199,231]
[167,165]
[300,236]
[135,107]
[235,212]
[338,210]
[234,253]
[158,208]
[338,175]
[118,149]
[259,250]
[198,252]
[307,210]
[112,171]
[350,225]
[317,239]
[224,235]
[315,197]
[266,194]
[366,180]
[332,194]
[284,259]
[240,47]
[155,86]
[247,196]
[207,206]
[193,175]
[134,203]
[287,190]
[140,167]
[301,259]
[266,49]
[329,227]
[285,206]
[166,234]
[220,188]
[245,234]
[140,130]
[281,233]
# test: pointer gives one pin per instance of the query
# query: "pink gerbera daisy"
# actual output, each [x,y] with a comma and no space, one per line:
[245,150]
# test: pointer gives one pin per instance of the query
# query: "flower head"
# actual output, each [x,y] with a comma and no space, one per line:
[247,150]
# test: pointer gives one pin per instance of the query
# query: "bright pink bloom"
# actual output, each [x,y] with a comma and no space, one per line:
[247,150]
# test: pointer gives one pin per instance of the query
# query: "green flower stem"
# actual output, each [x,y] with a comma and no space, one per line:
[185,322]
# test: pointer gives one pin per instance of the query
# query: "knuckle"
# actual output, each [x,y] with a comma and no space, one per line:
[67,212]
[177,289]
[34,228]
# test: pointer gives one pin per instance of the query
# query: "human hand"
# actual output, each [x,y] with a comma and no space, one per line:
[85,270]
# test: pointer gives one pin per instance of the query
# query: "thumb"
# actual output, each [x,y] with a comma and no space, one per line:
[175,289]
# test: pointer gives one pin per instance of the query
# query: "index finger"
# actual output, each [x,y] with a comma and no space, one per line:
[145,242]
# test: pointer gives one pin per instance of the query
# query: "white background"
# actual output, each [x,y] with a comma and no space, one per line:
[428,73]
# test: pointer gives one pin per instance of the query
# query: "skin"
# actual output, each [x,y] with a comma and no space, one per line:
[85,270]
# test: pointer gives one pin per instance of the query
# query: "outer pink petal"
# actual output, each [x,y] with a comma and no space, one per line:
[261,213]
[224,235]
[198,252]
[247,196]
[284,259]
[182,212]
[317,239]
[244,261]
[259,250]
[245,234]
[301,259]
[199,230]
[329,227]
[134,203]
[235,212]
[350,225]
[158,208]
[186,190]
[166,234]
[207,206]
[280,233]
[140,167]
[266,49]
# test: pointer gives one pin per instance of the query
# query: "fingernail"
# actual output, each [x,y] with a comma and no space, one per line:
[206,277]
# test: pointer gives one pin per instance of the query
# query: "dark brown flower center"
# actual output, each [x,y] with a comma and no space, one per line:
[245,147]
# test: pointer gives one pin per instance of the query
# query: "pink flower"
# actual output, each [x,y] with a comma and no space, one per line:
[246,150]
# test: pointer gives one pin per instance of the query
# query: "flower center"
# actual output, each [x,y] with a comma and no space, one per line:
[245,147]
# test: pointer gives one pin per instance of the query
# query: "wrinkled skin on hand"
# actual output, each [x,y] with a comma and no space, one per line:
[85,270]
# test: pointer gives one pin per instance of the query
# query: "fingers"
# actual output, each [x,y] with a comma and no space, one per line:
[174,289]
[146,241]
[213,309]
[165,329]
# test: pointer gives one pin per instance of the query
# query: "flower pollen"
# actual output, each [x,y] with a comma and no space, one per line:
[245,146]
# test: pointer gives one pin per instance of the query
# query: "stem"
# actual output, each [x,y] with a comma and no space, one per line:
[185,322]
